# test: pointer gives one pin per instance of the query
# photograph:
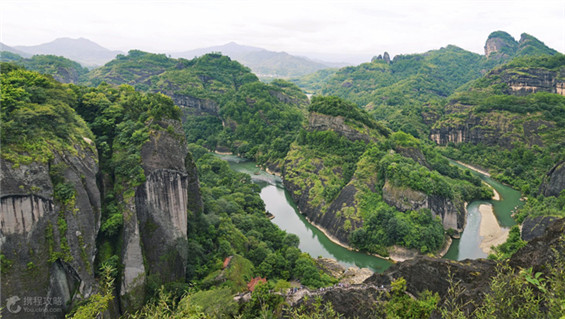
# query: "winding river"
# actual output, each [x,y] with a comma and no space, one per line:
[279,203]
[468,246]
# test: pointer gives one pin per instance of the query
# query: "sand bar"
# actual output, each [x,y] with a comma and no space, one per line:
[492,234]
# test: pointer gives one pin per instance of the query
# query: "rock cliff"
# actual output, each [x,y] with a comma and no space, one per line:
[192,105]
[500,45]
[323,122]
[524,81]
[492,128]
[425,273]
[535,227]
[50,216]
[155,230]
[329,219]
[452,213]
[554,181]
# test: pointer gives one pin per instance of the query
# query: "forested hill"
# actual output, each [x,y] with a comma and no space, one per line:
[225,106]
[401,90]
[372,188]
[512,121]
[62,69]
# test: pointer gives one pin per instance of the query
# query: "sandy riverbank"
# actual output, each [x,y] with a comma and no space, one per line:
[490,231]
[474,168]
[397,253]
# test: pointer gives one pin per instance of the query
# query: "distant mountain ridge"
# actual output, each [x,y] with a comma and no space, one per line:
[7,48]
[264,63]
[84,51]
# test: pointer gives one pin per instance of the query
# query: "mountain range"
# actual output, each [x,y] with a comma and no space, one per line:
[266,64]
[113,205]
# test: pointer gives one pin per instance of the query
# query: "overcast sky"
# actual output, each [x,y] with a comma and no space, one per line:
[314,28]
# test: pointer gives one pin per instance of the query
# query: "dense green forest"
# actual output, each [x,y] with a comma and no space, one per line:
[240,113]
[531,141]
[361,170]
[41,116]
[324,163]
[409,92]
[62,69]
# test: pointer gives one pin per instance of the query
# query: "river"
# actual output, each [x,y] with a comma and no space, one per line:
[279,203]
[468,246]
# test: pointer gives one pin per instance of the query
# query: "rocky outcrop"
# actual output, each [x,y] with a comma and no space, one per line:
[554,181]
[413,153]
[493,128]
[49,216]
[452,213]
[531,80]
[196,106]
[351,301]
[349,276]
[474,276]
[323,122]
[426,273]
[500,45]
[535,227]
[330,220]
[155,232]
[542,250]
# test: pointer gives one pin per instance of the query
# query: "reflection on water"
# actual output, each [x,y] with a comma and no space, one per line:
[279,203]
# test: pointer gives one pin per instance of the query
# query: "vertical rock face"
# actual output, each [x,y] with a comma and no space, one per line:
[155,235]
[554,181]
[452,213]
[195,105]
[323,122]
[500,44]
[47,242]
[531,80]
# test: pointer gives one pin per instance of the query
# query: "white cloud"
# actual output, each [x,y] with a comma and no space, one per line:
[348,27]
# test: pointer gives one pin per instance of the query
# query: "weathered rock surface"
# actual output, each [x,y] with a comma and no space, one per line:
[526,81]
[500,44]
[329,220]
[554,182]
[48,245]
[493,128]
[351,301]
[323,122]
[194,105]
[425,273]
[156,231]
[542,250]
[535,227]
[452,213]
[350,276]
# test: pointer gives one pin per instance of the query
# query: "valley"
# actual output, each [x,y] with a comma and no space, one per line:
[120,196]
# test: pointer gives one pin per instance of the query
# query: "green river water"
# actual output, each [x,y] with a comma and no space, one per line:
[279,203]
[468,245]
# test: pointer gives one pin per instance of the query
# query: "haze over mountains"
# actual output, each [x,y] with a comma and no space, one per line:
[82,50]
[113,204]
[264,63]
